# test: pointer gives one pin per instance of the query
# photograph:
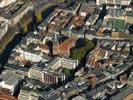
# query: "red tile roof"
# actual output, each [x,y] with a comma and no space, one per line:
[78,21]
[96,54]
[64,48]
[43,46]
[3,90]
[6,97]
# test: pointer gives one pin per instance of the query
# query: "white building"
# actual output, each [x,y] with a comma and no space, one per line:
[52,73]
[28,95]
[63,63]
[28,56]
[4,3]
[115,2]
[69,63]
[92,19]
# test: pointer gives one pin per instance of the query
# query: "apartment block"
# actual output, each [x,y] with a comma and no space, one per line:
[36,73]
[27,94]
[10,80]
[52,73]
[113,2]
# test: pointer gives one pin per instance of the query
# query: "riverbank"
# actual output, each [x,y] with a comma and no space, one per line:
[6,40]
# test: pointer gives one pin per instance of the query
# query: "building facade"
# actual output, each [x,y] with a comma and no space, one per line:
[35,73]
[28,95]
[50,78]
[10,80]
[45,76]
[53,72]
[114,2]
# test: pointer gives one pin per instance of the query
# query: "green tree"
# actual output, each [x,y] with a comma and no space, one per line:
[66,71]
[79,53]
[39,16]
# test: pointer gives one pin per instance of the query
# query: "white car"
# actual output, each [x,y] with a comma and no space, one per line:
[81,83]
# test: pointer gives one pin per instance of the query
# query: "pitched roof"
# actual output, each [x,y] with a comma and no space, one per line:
[43,46]
[6,97]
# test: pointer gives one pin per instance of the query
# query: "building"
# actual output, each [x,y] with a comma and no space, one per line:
[4,3]
[123,94]
[54,96]
[91,20]
[73,8]
[113,2]
[64,47]
[31,50]
[115,19]
[115,13]
[28,56]
[64,63]
[78,21]
[52,77]
[44,48]
[118,35]
[128,97]
[97,92]
[59,20]
[96,76]
[26,94]
[93,60]
[30,90]
[45,75]
[5,91]
[129,17]
[35,90]
[69,63]
[99,2]
[10,80]
[17,66]
[115,34]
[87,9]
[79,98]
[128,80]
[16,11]
[7,97]
[35,72]
[52,73]
[114,85]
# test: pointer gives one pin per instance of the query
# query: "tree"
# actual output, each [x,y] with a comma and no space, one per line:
[89,44]
[66,71]
[39,16]
[25,28]
[79,53]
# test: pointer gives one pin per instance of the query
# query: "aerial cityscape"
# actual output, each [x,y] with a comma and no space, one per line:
[66,49]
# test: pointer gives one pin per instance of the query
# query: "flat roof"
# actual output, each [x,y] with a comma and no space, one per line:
[124,92]
[115,12]
[10,77]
